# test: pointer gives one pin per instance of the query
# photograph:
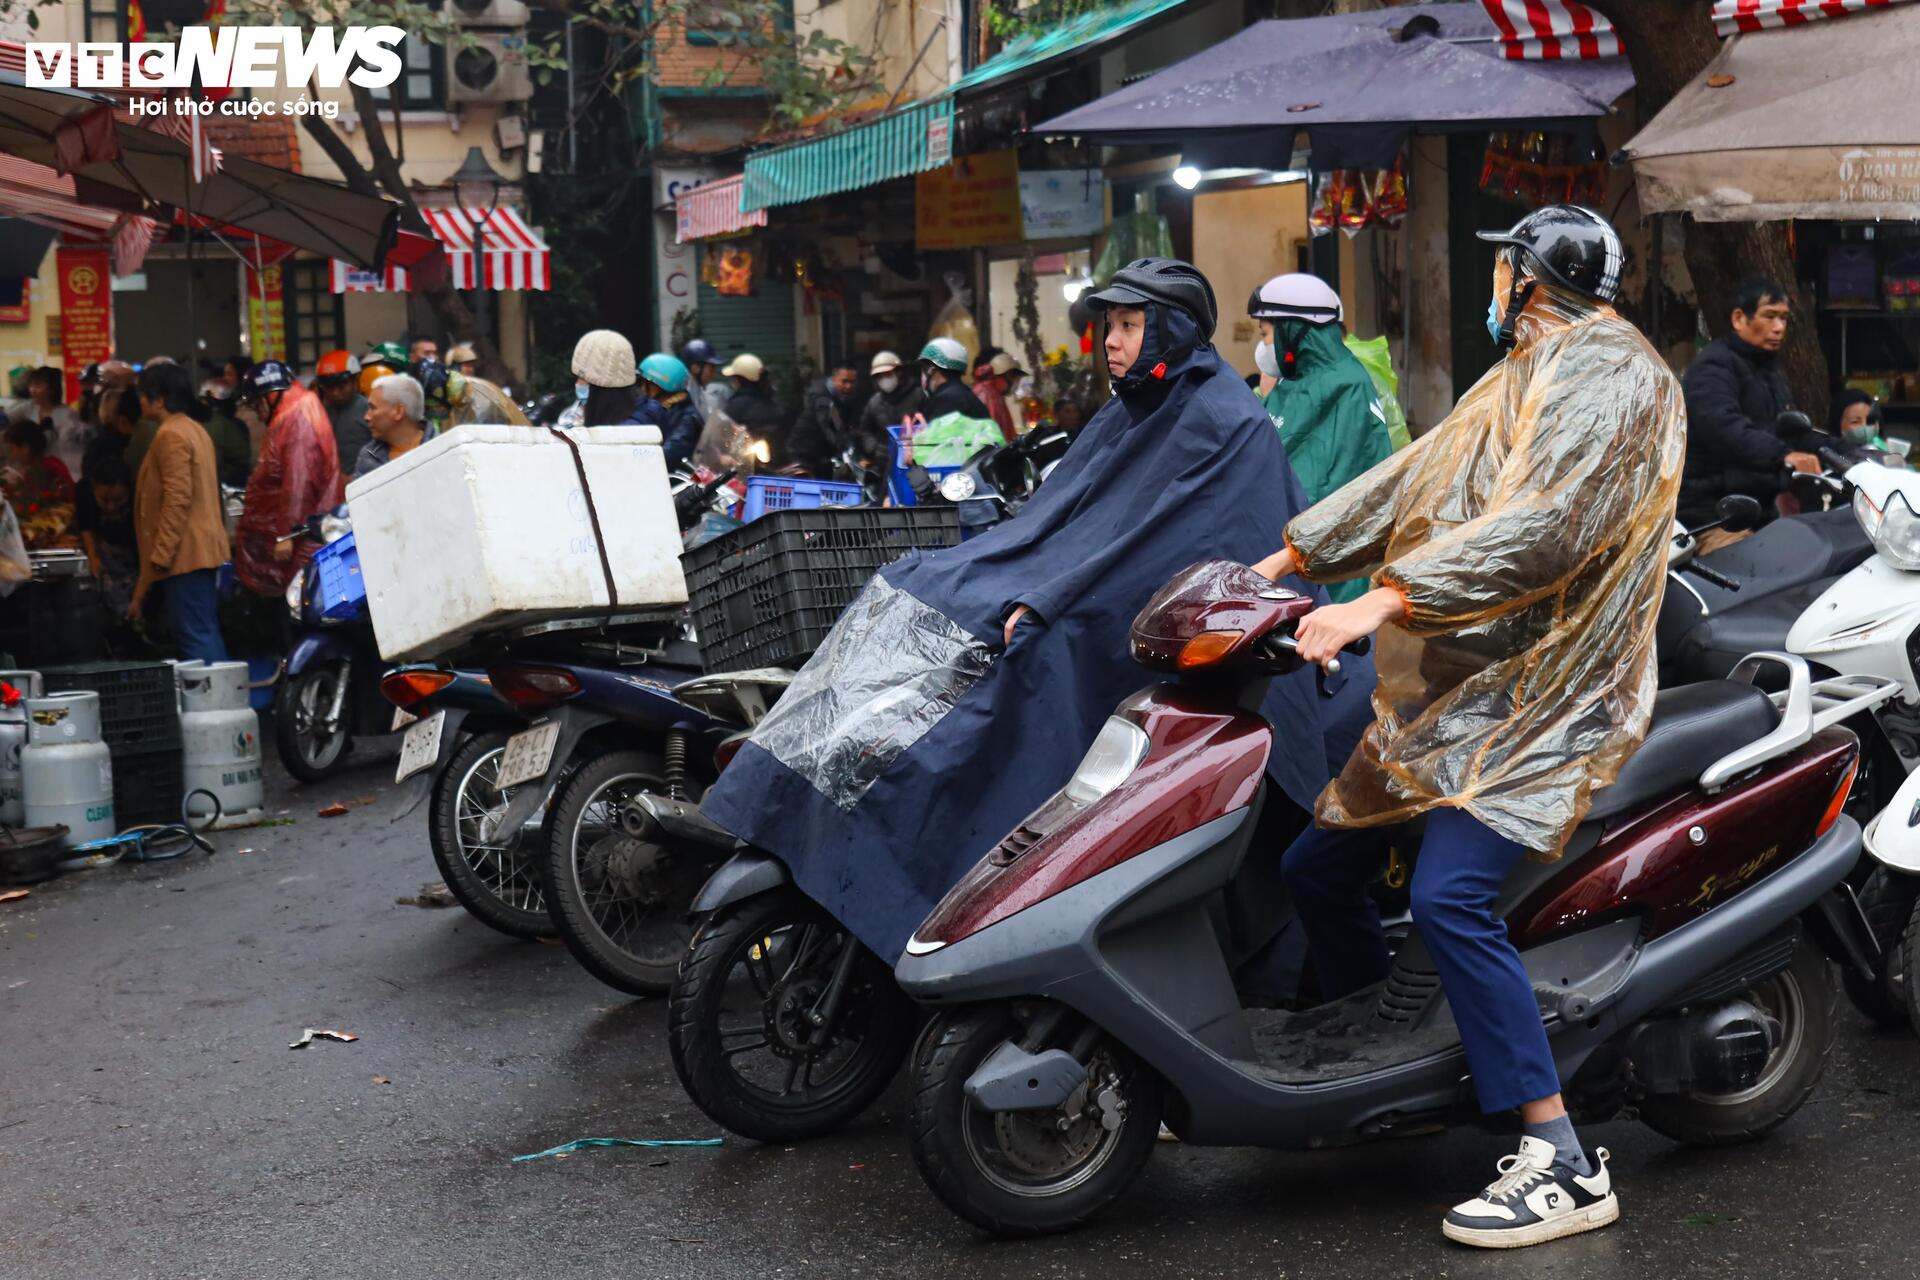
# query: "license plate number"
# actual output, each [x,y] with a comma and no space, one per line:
[527,755]
[420,748]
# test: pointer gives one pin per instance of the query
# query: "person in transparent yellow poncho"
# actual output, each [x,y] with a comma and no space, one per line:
[1518,556]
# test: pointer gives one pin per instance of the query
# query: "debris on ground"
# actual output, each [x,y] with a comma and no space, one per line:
[581,1144]
[321,1033]
[381,1080]
[334,811]
[434,893]
[13,895]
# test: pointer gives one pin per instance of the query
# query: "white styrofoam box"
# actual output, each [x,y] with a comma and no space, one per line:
[486,527]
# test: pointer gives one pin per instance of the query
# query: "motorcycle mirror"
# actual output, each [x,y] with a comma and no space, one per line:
[1737,512]
[1792,421]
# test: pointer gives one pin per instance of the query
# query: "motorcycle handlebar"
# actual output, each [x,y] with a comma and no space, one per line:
[1838,461]
[1717,578]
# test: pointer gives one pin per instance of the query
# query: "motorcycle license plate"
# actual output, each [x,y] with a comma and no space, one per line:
[420,748]
[527,755]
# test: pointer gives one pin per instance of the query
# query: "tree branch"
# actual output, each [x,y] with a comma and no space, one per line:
[385,167]
[354,173]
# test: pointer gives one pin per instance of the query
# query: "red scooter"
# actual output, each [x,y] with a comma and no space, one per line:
[1679,949]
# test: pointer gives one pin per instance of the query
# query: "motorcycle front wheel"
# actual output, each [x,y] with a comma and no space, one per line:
[742,1028]
[494,874]
[1027,1173]
[310,750]
[1886,900]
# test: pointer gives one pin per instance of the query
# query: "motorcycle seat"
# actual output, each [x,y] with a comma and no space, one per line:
[1715,645]
[1693,725]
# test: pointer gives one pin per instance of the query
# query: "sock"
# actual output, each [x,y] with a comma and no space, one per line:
[1566,1145]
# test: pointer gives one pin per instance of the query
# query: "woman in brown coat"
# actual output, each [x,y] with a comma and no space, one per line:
[176,516]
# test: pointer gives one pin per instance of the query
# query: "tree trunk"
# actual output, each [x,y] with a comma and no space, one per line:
[1669,42]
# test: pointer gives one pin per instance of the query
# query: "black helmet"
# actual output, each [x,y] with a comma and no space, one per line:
[433,377]
[1163,280]
[264,379]
[700,351]
[1570,246]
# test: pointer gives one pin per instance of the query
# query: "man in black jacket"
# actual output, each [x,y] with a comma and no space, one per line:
[822,429]
[895,398]
[942,361]
[1735,391]
[752,407]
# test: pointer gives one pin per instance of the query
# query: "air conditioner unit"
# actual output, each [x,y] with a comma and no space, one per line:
[489,13]
[493,68]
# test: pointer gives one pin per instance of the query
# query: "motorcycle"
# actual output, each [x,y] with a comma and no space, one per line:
[328,690]
[995,482]
[1080,976]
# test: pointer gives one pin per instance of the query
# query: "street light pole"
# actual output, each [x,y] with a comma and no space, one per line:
[476,190]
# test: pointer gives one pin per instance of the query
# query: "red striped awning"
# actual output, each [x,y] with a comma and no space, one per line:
[1549,30]
[713,209]
[516,256]
[43,196]
[1730,16]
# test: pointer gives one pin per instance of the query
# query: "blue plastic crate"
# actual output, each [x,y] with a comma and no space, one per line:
[899,488]
[343,592]
[786,493]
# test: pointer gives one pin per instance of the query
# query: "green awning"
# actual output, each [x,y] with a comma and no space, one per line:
[1081,35]
[910,140]
[918,137]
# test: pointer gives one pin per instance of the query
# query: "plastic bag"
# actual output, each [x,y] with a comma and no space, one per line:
[1528,534]
[1378,361]
[955,320]
[949,440]
[15,568]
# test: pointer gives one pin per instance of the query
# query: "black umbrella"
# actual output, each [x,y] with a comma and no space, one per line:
[114,163]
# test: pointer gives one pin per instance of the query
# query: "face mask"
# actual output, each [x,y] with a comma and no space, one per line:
[1493,319]
[580,392]
[887,382]
[1862,434]
[1265,361]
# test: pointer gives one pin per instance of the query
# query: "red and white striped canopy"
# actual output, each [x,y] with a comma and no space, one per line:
[1551,29]
[41,195]
[713,209]
[516,256]
[1730,16]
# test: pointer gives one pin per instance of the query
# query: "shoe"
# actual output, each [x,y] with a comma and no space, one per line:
[1535,1200]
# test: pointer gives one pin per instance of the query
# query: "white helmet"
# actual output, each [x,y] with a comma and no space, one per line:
[1295,295]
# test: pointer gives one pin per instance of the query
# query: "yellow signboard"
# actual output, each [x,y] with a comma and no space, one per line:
[972,203]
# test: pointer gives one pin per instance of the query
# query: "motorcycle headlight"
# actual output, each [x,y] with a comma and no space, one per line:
[1865,512]
[1110,761]
[957,487]
[1897,538]
[297,592]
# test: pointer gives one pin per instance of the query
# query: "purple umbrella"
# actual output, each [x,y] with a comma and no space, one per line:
[1359,83]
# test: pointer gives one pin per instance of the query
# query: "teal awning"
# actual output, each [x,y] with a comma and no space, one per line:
[910,140]
[1083,34]
[919,136]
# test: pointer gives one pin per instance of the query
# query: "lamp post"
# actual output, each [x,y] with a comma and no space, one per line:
[476,189]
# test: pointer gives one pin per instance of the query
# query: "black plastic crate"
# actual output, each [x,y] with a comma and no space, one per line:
[148,786]
[139,702]
[766,595]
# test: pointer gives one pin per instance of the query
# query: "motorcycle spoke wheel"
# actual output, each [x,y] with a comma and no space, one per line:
[499,860]
[496,877]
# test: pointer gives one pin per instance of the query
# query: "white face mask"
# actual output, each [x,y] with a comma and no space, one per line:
[1265,361]
[887,382]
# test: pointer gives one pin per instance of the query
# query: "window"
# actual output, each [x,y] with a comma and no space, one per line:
[316,316]
[715,23]
[422,85]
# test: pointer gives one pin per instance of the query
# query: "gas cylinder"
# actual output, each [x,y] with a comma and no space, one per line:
[66,772]
[220,740]
[13,736]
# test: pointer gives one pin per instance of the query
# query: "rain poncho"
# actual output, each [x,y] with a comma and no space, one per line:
[475,401]
[916,739]
[1528,533]
[1329,415]
[298,476]
[1374,354]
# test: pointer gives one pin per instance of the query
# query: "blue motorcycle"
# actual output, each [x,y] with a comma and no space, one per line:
[328,691]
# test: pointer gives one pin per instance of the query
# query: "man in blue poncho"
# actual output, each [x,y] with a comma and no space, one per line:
[963,686]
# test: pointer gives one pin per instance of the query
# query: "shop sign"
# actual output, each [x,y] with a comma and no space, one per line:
[939,139]
[266,314]
[972,203]
[86,310]
[1058,204]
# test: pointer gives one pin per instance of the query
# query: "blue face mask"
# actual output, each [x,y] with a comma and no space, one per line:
[580,392]
[1493,319]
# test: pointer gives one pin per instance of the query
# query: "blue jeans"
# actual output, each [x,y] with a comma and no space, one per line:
[1456,881]
[193,604]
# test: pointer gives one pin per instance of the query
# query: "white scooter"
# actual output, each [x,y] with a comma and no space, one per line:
[1868,624]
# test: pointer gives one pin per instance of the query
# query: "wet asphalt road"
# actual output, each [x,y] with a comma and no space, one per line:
[154,1124]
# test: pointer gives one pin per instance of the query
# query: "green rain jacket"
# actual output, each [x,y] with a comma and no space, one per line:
[1330,418]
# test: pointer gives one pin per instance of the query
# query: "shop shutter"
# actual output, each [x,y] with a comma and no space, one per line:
[761,323]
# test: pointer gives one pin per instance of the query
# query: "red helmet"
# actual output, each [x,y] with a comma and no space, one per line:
[337,364]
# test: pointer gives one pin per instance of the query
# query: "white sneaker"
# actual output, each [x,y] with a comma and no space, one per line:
[1535,1200]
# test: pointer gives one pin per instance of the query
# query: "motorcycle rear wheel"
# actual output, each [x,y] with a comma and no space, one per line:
[1026,1173]
[309,752]
[1801,997]
[756,970]
[495,875]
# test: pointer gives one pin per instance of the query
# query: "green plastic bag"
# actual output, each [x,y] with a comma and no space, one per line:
[1372,352]
[949,440]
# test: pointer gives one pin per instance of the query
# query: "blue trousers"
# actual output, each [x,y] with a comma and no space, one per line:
[1456,881]
[193,605]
